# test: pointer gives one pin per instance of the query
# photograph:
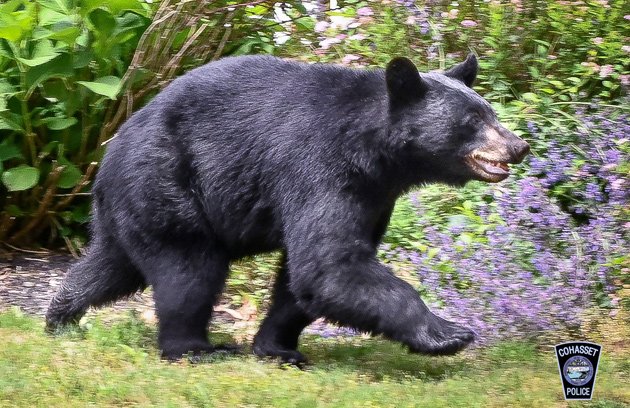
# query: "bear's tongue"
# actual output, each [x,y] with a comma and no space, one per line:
[493,167]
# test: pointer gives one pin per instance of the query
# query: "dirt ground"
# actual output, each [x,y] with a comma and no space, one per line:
[29,281]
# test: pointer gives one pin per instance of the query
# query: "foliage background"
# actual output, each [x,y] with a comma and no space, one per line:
[558,73]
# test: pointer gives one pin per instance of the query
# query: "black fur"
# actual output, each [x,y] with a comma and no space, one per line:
[466,71]
[253,154]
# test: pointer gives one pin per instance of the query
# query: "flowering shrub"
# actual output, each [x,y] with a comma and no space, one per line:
[554,51]
[589,175]
[523,263]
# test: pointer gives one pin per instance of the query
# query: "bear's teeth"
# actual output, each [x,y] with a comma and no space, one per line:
[500,165]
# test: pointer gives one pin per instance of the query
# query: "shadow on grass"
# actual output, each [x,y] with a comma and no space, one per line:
[376,358]
[379,359]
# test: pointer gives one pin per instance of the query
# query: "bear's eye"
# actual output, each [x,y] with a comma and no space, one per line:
[473,118]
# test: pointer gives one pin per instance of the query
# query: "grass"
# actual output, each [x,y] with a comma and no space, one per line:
[118,365]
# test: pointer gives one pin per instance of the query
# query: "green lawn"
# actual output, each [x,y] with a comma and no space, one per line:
[117,365]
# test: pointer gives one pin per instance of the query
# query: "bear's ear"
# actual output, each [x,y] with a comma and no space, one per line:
[465,72]
[404,84]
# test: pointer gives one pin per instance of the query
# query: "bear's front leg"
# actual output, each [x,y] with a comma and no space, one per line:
[334,273]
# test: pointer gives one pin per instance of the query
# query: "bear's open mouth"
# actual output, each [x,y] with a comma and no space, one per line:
[488,169]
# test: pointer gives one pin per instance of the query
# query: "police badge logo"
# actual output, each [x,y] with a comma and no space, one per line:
[577,362]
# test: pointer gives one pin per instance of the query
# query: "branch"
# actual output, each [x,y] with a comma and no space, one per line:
[85,180]
[44,205]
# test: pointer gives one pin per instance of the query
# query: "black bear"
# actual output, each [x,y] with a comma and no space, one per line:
[253,154]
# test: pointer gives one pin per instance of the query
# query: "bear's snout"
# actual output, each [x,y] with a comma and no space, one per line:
[506,143]
[520,149]
[491,161]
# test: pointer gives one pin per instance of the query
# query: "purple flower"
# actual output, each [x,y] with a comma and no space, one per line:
[605,71]
[365,12]
[321,26]
[533,267]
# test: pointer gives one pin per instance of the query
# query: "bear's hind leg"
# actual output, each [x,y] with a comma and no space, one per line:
[103,275]
[278,335]
[187,278]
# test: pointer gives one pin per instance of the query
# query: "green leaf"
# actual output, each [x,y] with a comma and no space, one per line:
[11,121]
[102,21]
[6,50]
[49,17]
[59,67]
[82,58]
[10,6]
[432,252]
[60,6]
[306,23]
[81,214]
[20,178]
[300,7]
[55,90]
[40,32]
[530,96]
[11,32]
[245,47]
[70,176]
[9,151]
[83,39]
[107,86]
[545,43]
[50,147]
[42,53]
[67,35]
[33,62]
[118,6]
[127,24]
[43,48]
[267,48]
[60,123]
[16,19]
[88,5]
[466,238]
[6,88]
[491,42]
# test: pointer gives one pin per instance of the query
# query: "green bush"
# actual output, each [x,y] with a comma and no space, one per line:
[71,71]
[61,69]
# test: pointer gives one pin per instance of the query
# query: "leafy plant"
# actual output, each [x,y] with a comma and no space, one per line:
[62,64]
[72,71]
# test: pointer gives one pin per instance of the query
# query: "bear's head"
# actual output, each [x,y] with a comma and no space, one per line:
[448,131]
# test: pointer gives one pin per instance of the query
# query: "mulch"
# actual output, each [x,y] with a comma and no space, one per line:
[30,280]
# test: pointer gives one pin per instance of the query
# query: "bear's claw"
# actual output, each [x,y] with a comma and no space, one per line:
[292,357]
[443,338]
